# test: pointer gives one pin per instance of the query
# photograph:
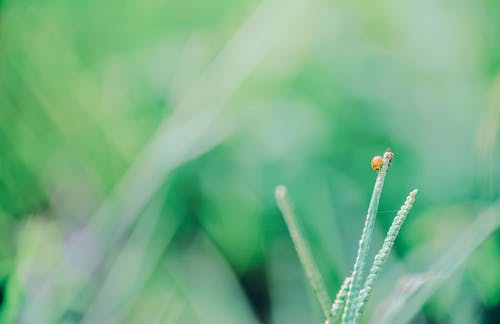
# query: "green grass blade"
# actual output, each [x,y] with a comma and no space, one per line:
[364,244]
[339,303]
[303,250]
[384,252]
[487,223]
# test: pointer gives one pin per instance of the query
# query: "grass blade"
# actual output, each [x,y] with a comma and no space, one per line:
[364,243]
[339,303]
[303,250]
[384,252]
[487,223]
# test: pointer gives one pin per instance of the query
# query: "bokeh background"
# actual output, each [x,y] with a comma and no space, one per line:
[141,142]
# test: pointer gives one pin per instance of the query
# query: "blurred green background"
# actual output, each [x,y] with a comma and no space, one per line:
[141,141]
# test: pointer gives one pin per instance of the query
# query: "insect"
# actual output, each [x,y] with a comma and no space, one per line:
[377,163]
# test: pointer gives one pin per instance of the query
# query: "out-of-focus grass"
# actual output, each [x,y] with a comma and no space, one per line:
[148,136]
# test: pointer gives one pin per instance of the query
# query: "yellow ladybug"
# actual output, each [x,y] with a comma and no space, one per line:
[377,163]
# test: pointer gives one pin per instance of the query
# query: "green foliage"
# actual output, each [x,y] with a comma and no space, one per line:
[154,132]
[303,250]
[351,298]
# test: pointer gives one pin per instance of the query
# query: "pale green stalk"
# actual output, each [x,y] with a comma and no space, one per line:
[338,304]
[454,257]
[384,252]
[303,250]
[364,244]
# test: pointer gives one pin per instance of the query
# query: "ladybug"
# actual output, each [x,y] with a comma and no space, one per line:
[377,163]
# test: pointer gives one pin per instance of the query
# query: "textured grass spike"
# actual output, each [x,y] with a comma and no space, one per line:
[364,244]
[338,304]
[303,250]
[384,252]
[485,225]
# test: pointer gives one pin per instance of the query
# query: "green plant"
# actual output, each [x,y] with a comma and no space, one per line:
[353,294]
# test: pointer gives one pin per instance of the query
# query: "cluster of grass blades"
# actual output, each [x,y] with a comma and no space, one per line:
[350,301]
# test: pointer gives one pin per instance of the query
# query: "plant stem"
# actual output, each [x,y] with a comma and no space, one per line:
[451,260]
[303,250]
[338,304]
[383,254]
[364,244]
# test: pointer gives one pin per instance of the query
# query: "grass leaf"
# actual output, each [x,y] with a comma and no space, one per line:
[456,255]
[384,252]
[364,243]
[303,250]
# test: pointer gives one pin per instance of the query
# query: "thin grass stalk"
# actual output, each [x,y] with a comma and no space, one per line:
[339,303]
[364,244]
[303,250]
[455,256]
[383,253]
